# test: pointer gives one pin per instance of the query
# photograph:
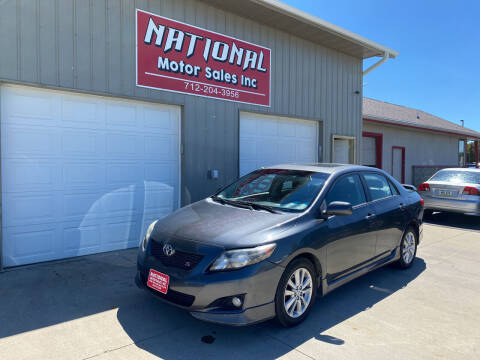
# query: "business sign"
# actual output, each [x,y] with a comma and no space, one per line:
[178,57]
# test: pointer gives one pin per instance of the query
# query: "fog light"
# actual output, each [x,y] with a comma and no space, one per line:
[236,301]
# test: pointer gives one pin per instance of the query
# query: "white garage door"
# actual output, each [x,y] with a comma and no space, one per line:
[270,140]
[83,174]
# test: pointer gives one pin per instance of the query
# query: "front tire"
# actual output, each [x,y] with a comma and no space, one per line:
[296,292]
[408,249]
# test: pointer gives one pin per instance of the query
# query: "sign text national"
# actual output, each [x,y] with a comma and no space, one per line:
[177,57]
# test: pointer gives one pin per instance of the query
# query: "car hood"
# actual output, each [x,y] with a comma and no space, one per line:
[230,227]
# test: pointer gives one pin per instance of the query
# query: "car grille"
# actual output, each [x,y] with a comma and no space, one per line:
[175,297]
[180,259]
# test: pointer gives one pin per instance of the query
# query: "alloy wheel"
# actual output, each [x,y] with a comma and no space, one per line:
[408,249]
[298,293]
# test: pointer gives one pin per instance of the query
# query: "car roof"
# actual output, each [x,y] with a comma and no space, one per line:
[329,168]
[462,169]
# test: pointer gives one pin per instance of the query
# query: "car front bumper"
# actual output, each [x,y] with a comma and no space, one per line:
[195,291]
[464,206]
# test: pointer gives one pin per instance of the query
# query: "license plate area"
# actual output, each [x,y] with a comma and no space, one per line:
[446,193]
[158,281]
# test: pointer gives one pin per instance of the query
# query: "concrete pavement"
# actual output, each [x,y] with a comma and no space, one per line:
[89,308]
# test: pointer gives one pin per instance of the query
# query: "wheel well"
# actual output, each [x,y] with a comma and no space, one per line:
[416,227]
[316,264]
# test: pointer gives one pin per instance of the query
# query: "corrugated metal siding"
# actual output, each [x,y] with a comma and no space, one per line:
[89,45]
[437,150]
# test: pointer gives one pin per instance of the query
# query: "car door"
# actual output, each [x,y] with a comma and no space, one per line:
[389,210]
[351,238]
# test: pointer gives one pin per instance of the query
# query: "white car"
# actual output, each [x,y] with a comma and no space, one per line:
[452,190]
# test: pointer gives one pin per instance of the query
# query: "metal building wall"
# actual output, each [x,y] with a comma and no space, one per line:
[421,147]
[89,45]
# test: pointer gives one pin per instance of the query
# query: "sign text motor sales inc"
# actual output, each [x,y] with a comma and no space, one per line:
[178,57]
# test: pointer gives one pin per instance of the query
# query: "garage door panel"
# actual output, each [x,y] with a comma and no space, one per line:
[267,150]
[249,148]
[247,166]
[78,204]
[121,174]
[305,151]
[76,111]
[78,239]
[83,174]
[120,115]
[248,125]
[41,108]
[308,130]
[121,202]
[164,121]
[29,175]
[287,152]
[158,147]
[85,144]
[29,208]
[21,141]
[286,129]
[269,140]
[122,233]
[29,245]
[267,127]
[122,145]
[158,197]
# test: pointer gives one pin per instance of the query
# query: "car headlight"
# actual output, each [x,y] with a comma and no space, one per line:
[236,259]
[147,236]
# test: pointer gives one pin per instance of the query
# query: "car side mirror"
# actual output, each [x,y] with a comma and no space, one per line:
[339,208]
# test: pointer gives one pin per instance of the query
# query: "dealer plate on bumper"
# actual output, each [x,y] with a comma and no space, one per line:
[158,281]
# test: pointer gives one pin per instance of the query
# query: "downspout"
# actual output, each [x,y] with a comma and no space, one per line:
[385,57]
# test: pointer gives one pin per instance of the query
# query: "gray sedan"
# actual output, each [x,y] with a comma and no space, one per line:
[452,190]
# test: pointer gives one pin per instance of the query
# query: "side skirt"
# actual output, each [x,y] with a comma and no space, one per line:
[337,282]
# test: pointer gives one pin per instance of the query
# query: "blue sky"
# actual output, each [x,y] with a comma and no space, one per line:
[438,69]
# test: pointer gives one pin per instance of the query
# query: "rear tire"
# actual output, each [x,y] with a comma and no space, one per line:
[408,249]
[296,292]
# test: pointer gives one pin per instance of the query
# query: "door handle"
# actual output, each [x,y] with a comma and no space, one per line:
[370,216]
[401,207]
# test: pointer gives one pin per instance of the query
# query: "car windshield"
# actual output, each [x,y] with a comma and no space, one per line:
[457,177]
[285,190]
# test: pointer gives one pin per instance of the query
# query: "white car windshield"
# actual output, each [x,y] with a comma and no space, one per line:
[286,190]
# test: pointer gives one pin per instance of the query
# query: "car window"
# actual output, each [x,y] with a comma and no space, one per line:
[453,176]
[256,186]
[349,189]
[378,186]
[393,188]
[288,190]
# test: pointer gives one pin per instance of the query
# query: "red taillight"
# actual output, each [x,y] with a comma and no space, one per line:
[424,187]
[469,190]
[422,202]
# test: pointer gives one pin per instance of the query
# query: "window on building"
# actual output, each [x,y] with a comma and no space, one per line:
[343,149]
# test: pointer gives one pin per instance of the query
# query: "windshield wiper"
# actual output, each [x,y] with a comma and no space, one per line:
[259,206]
[231,202]
[244,204]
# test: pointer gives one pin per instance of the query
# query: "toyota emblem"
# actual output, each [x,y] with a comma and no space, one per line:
[168,250]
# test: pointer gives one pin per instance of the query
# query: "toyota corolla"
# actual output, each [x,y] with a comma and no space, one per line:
[267,245]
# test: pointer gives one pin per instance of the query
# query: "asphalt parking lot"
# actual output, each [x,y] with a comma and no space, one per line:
[89,308]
